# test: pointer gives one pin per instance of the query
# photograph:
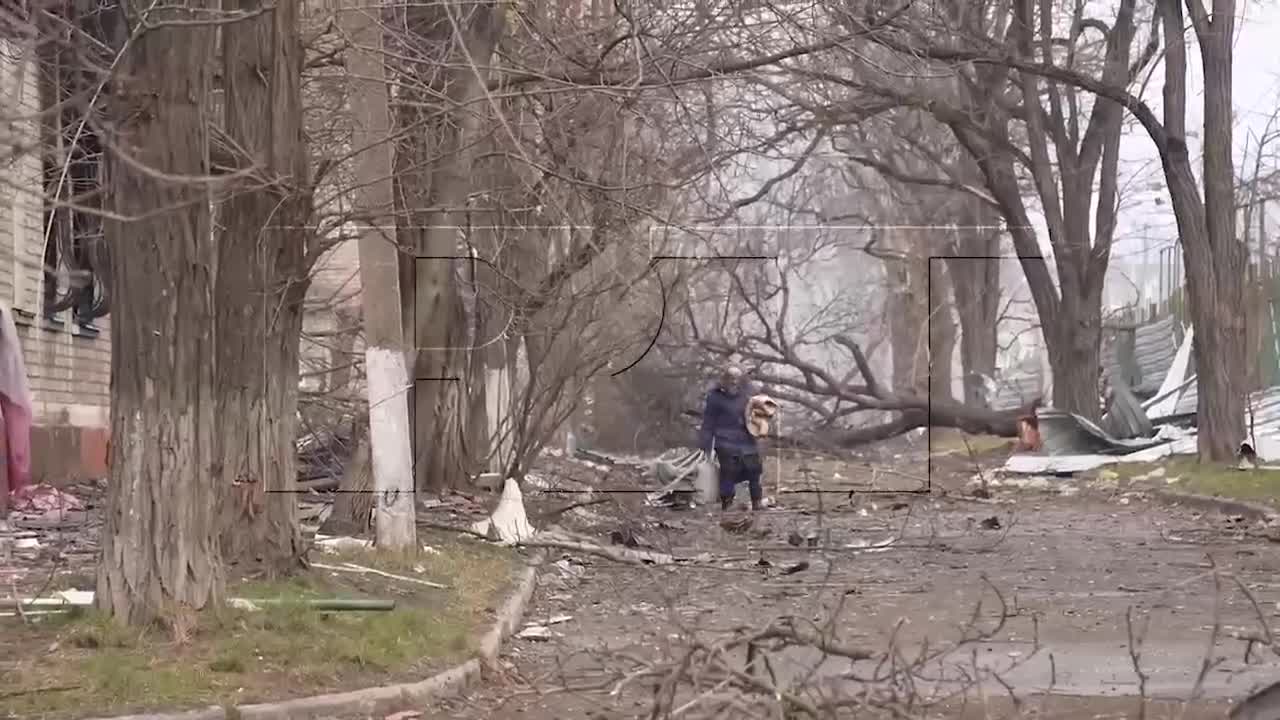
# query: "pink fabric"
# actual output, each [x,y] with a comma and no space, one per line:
[16,407]
[17,435]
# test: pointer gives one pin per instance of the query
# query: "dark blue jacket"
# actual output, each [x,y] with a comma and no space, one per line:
[724,421]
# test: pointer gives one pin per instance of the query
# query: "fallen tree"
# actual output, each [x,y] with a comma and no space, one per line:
[756,326]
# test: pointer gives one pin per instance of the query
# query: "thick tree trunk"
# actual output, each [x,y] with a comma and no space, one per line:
[386,364]
[1074,342]
[433,174]
[160,557]
[260,289]
[1215,259]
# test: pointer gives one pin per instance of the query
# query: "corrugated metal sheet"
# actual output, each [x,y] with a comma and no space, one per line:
[1016,389]
[1145,365]
[1154,346]
[1266,407]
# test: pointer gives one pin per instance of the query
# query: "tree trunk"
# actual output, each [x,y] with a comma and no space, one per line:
[433,174]
[1215,258]
[386,363]
[160,556]
[260,289]
[353,506]
[975,282]
[942,333]
[909,323]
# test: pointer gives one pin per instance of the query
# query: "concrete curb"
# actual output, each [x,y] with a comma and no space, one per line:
[1226,506]
[387,698]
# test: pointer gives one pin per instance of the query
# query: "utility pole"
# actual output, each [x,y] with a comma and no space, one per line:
[386,370]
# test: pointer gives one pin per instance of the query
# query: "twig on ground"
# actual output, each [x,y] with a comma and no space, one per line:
[556,540]
[34,691]
[557,512]
[353,568]
[1135,658]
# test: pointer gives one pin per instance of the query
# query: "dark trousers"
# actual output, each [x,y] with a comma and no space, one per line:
[735,469]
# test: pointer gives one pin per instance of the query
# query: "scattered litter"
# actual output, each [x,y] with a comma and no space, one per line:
[798,567]
[567,567]
[625,537]
[535,632]
[558,619]
[869,545]
[430,550]
[682,472]
[43,500]
[404,715]
[336,544]
[991,523]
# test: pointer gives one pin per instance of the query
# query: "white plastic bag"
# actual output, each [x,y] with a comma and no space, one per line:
[707,480]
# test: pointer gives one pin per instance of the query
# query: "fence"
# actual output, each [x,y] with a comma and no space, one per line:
[1262,295]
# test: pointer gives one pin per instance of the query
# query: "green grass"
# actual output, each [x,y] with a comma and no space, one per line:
[281,651]
[1213,479]
[950,441]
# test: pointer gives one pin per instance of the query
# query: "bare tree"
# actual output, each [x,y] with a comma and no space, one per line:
[261,283]
[1215,257]
[994,114]
[160,554]
[445,51]
[388,360]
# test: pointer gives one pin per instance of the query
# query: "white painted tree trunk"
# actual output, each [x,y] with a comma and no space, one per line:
[392,458]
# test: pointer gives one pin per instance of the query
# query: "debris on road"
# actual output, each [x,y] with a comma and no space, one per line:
[535,632]
[337,544]
[508,523]
[797,567]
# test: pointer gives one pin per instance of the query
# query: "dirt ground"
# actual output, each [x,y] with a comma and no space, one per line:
[1073,573]
[1030,601]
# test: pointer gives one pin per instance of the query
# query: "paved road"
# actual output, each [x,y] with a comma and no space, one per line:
[1058,578]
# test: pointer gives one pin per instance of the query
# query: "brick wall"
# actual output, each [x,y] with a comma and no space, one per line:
[69,371]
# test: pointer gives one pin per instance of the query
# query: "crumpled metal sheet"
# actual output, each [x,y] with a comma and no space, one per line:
[1071,434]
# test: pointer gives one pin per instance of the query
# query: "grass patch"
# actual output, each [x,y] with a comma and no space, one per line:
[949,441]
[81,663]
[1212,479]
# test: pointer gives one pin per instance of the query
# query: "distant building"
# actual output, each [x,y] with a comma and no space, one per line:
[69,365]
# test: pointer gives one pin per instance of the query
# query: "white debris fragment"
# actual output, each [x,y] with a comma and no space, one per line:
[508,521]
[341,542]
[870,545]
[535,632]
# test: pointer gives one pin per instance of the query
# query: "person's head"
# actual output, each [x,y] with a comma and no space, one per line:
[732,378]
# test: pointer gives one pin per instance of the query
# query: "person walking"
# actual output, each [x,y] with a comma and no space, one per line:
[724,432]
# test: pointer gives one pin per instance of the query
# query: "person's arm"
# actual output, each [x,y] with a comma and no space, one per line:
[706,433]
